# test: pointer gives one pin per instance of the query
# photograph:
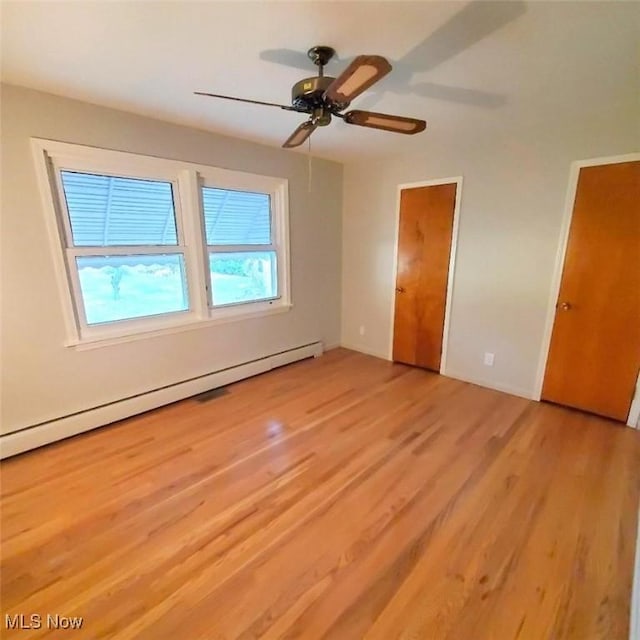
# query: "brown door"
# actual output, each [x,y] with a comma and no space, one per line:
[424,245]
[595,346]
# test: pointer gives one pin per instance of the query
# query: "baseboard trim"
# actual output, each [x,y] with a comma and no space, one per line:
[514,391]
[633,419]
[505,388]
[634,633]
[29,438]
[365,350]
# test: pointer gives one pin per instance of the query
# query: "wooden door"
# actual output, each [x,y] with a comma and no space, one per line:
[595,346]
[424,246]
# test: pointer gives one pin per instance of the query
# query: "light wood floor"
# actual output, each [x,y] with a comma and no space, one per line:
[341,498]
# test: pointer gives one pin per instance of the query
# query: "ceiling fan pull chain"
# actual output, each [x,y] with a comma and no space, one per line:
[309,162]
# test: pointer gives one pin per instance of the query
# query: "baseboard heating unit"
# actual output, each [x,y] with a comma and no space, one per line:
[38,435]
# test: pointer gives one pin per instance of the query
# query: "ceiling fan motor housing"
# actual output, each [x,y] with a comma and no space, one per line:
[308,94]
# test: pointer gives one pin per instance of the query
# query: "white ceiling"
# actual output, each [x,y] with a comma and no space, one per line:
[544,62]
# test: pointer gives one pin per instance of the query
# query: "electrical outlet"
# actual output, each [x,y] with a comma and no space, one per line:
[361,329]
[488,358]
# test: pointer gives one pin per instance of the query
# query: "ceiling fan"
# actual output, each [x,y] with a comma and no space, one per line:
[323,97]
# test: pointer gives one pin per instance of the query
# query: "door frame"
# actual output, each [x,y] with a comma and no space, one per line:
[457,180]
[565,227]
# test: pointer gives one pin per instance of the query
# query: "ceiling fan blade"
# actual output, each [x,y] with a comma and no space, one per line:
[300,134]
[357,77]
[267,104]
[397,124]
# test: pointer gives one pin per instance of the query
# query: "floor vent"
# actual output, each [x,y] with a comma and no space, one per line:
[23,438]
[212,394]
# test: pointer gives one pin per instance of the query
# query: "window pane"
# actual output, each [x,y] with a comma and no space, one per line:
[243,277]
[123,287]
[236,217]
[110,211]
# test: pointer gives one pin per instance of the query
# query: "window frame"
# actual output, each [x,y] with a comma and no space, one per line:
[52,157]
[277,193]
[72,251]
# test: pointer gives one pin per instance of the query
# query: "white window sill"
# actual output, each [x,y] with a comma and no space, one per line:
[85,344]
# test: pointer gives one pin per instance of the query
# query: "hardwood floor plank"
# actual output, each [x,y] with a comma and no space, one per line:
[343,497]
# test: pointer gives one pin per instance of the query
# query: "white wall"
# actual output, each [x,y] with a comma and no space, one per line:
[41,379]
[515,181]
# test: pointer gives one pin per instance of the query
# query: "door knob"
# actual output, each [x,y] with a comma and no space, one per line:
[400,289]
[564,306]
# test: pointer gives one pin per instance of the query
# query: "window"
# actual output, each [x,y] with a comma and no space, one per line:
[122,245]
[145,244]
[243,261]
